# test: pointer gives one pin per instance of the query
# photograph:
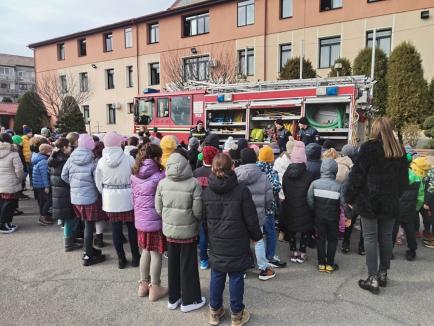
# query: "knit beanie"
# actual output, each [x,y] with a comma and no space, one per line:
[266,154]
[348,150]
[230,144]
[290,145]
[248,156]
[193,143]
[209,152]
[298,154]
[17,140]
[420,166]
[86,141]
[45,149]
[45,132]
[242,143]
[112,139]
[168,145]
[26,130]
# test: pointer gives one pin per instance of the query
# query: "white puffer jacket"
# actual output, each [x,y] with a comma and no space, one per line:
[113,180]
[11,169]
[280,165]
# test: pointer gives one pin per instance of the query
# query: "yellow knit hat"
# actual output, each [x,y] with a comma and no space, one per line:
[266,154]
[168,145]
[420,166]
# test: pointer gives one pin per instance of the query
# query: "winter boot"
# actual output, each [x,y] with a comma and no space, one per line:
[371,284]
[93,259]
[240,318]
[216,315]
[382,279]
[345,247]
[143,289]
[410,255]
[71,245]
[157,292]
[135,262]
[98,241]
[122,261]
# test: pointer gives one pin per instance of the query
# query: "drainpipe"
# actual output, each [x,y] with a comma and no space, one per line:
[265,39]
[137,56]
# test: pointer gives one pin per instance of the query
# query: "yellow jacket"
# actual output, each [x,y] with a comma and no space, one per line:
[26,148]
[168,145]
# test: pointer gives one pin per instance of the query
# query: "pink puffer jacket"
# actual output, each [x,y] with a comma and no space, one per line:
[144,186]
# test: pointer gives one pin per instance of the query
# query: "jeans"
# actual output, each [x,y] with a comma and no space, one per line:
[270,240]
[132,238]
[44,202]
[236,290]
[410,234]
[203,243]
[327,242]
[70,227]
[378,235]
[261,259]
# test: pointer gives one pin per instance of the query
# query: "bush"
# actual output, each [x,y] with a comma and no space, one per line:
[410,134]
[291,70]
[31,112]
[346,68]
[428,126]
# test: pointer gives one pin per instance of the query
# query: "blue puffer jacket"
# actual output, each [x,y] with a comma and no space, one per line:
[40,177]
[78,172]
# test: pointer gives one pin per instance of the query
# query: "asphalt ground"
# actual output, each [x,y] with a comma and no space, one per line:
[40,284]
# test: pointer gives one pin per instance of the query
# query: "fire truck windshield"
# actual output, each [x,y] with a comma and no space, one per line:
[144,113]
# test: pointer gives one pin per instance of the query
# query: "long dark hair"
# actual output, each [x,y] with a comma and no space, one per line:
[148,152]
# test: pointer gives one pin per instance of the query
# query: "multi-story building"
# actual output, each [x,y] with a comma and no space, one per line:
[17,76]
[251,39]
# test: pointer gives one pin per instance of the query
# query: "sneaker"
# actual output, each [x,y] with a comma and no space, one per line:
[59,222]
[204,264]
[321,268]
[12,226]
[17,212]
[216,315]
[370,284]
[175,305]
[301,258]
[98,241]
[331,268]
[429,244]
[96,252]
[427,235]
[362,251]
[193,306]
[410,255]
[382,279]
[345,247]
[92,260]
[240,318]
[267,274]
[5,230]
[45,221]
[166,255]
[276,263]
[293,257]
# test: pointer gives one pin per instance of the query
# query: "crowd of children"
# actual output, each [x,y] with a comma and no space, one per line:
[173,199]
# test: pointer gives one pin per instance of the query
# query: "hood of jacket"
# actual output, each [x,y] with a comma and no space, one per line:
[81,156]
[313,152]
[129,148]
[58,158]
[113,156]
[148,169]
[345,160]
[38,157]
[5,149]
[178,168]
[222,186]
[329,169]
[248,173]
[295,170]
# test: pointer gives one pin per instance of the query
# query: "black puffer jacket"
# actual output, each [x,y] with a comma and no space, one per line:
[231,221]
[407,204]
[313,154]
[297,216]
[62,208]
[376,183]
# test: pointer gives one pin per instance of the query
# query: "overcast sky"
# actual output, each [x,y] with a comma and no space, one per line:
[26,21]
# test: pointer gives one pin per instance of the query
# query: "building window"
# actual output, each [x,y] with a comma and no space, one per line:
[110,79]
[61,51]
[82,48]
[130,82]
[246,62]
[330,4]
[111,114]
[383,39]
[246,12]
[163,108]
[108,42]
[128,37]
[196,25]
[286,8]
[84,82]
[329,51]
[285,54]
[196,68]
[86,113]
[63,84]
[181,109]
[155,73]
[131,108]
[154,33]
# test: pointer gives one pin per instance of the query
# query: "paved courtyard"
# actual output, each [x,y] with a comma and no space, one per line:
[42,285]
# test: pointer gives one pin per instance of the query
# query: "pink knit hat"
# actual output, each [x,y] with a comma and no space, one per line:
[298,154]
[86,141]
[112,139]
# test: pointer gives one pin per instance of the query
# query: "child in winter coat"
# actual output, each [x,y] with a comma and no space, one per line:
[193,152]
[265,163]
[325,198]
[78,172]
[147,173]
[41,182]
[428,240]
[262,192]
[296,215]
[313,155]
[113,180]
[202,174]
[231,223]
[178,202]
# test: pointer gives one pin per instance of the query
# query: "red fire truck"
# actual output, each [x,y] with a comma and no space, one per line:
[336,107]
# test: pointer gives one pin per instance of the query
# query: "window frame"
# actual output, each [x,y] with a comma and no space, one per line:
[196,17]
[377,38]
[129,76]
[63,84]
[188,61]
[128,31]
[160,99]
[111,109]
[328,45]
[79,46]
[107,81]
[281,9]
[281,64]
[81,79]
[245,7]
[61,51]
[151,69]
[106,36]
[245,53]
[331,7]
[154,29]
[190,98]
[86,113]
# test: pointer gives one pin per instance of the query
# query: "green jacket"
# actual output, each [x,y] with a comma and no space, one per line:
[412,178]
[178,200]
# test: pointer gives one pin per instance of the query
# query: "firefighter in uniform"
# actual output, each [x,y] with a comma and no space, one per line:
[307,133]
[199,131]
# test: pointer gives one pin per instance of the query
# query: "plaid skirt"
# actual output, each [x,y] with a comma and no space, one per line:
[91,213]
[8,196]
[152,241]
[121,216]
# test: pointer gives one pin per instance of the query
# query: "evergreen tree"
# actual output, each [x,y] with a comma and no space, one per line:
[408,100]
[291,70]
[31,112]
[362,66]
[344,71]
[70,118]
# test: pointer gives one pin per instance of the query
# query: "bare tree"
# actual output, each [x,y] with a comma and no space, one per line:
[54,89]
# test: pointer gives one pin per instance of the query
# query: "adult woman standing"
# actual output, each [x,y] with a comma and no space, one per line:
[375,184]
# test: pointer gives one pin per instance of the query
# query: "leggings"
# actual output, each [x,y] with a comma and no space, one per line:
[150,266]
[88,237]
[132,237]
[293,241]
